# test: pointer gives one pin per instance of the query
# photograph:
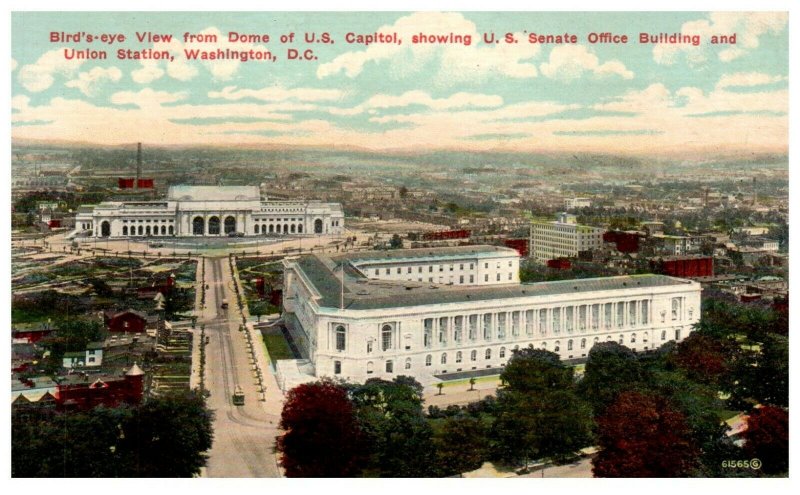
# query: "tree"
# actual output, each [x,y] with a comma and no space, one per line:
[168,437]
[391,418]
[704,358]
[396,242]
[610,369]
[461,446]
[322,436]
[643,435]
[767,438]
[772,372]
[538,414]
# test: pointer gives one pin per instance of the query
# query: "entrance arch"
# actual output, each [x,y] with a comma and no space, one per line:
[213,225]
[286,228]
[230,225]
[105,229]
[198,226]
[271,228]
[318,226]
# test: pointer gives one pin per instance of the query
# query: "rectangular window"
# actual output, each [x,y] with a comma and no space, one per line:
[582,318]
[387,340]
[556,320]
[337,367]
[543,321]
[473,327]
[458,328]
[369,346]
[529,322]
[645,312]
[595,316]
[472,279]
[443,331]
[515,323]
[632,313]
[620,314]
[607,315]
[461,279]
[388,271]
[487,326]
[568,318]
[427,331]
[501,325]
[389,367]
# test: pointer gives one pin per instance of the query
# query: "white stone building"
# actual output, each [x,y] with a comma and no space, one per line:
[209,211]
[369,322]
[563,238]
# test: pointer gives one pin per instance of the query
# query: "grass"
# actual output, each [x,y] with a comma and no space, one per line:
[480,379]
[726,414]
[277,347]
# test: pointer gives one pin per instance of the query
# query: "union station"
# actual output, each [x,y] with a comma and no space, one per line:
[208,211]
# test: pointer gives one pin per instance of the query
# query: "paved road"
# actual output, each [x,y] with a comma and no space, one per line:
[244,436]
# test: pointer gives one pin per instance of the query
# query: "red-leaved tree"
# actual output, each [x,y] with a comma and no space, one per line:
[767,438]
[321,438]
[643,435]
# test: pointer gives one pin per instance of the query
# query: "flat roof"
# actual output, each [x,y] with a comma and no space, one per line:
[360,293]
[412,255]
[214,193]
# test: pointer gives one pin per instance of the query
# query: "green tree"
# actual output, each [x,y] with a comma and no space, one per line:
[610,369]
[462,445]
[538,413]
[391,418]
[396,242]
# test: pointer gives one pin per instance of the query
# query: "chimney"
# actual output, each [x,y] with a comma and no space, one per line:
[138,164]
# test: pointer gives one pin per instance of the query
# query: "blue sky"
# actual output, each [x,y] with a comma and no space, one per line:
[634,98]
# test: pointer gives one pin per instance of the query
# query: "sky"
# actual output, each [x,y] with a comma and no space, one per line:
[640,99]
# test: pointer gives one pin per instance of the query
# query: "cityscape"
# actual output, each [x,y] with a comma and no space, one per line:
[300,301]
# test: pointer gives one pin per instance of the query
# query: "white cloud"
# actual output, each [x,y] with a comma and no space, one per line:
[39,76]
[455,101]
[745,79]
[277,93]
[181,69]
[88,81]
[458,61]
[569,62]
[149,72]
[748,27]
[146,98]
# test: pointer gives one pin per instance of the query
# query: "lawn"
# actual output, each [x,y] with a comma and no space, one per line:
[277,347]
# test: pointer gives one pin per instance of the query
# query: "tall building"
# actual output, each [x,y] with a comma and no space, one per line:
[563,238]
[208,211]
[363,315]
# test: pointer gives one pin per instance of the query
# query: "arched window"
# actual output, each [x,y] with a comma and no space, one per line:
[408,363]
[147,230]
[473,356]
[557,346]
[341,339]
[389,367]
[544,345]
[198,226]
[569,345]
[105,229]
[163,230]
[644,337]
[286,228]
[488,354]
[633,338]
[370,368]
[386,337]
[300,228]
[292,228]
[171,230]
[502,352]
[125,230]
[596,340]
[583,343]
[458,357]
[444,358]
[318,226]
[230,225]
[428,360]
[271,228]
[621,339]
[141,230]
[213,225]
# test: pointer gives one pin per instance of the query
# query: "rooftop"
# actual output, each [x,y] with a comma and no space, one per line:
[214,193]
[361,293]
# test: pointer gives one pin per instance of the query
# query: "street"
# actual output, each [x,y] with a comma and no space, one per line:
[244,436]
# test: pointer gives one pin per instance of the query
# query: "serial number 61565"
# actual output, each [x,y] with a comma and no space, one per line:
[742,464]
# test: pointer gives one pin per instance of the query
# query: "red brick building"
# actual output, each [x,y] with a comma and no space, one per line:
[625,242]
[521,245]
[128,321]
[84,393]
[684,266]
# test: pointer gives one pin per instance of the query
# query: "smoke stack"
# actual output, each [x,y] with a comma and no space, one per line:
[138,163]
